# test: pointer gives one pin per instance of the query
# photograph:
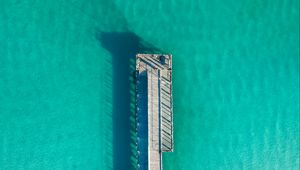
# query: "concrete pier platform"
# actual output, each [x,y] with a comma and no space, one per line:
[154,109]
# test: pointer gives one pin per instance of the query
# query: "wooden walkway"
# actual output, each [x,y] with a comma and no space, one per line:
[154,103]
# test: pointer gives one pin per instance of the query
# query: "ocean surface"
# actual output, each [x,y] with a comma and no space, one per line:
[67,83]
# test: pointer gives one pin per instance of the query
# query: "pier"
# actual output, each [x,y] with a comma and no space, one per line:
[154,109]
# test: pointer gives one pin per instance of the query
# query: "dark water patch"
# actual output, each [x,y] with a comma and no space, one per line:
[123,46]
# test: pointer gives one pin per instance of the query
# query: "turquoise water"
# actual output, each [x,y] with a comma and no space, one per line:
[66,85]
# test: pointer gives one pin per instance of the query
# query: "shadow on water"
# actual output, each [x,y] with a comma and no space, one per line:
[123,46]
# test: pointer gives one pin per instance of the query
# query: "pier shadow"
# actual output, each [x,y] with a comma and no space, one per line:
[123,46]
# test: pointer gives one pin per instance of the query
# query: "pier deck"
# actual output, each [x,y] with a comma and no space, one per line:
[154,109]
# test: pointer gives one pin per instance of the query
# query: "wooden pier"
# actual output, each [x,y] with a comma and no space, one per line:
[154,109]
